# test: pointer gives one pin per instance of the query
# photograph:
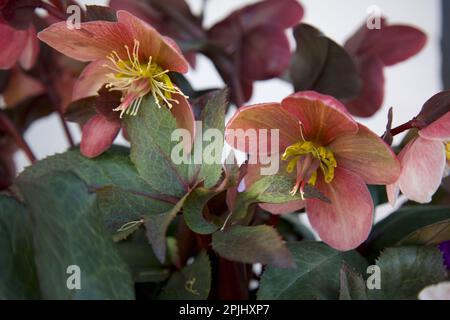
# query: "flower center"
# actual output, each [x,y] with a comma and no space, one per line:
[135,79]
[308,157]
[447,150]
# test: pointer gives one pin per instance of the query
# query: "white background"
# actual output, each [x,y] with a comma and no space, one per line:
[408,84]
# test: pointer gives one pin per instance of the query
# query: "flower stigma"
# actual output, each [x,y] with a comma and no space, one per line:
[135,80]
[308,157]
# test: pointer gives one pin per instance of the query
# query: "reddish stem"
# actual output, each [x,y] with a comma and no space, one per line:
[273,220]
[413,123]
[11,129]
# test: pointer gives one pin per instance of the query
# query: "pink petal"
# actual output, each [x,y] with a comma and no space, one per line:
[94,40]
[91,79]
[283,208]
[31,50]
[12,44]
[371,97]
[368,156]
[393,191]
[346,222]
[394,44]
[281,13]
[323,117]
[251,120]
[356,41]
[162,49]
[260,61]
[438,130]
[21,87]
[98,135]
[184,116]
[423,163]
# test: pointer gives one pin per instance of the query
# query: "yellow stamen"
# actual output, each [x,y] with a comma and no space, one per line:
[135,79]
[447,150]
[300,150]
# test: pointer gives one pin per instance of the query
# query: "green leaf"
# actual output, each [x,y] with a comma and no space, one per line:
[150,134]
[401,223]
[322,65]
[68,230]
[213,118]
[18,278]
[252,244]
[316,276]
[138,254]
[122,196]
[352,285]
[407,270]
[193,282]
[120,207]
[113,168]
[378,193]
[432,234]
[96,13]
[157,225]
[292,229]
[272,189]
[193,209]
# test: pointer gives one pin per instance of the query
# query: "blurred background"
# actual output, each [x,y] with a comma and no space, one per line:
[408,84]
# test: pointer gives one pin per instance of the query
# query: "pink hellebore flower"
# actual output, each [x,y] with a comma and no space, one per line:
[245,35]
[128,56]
[17,46]
[327,149]
[423,161]
[372,50]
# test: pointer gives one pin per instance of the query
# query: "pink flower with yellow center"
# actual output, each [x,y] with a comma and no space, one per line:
[423,161]
[321,144]
[128,56]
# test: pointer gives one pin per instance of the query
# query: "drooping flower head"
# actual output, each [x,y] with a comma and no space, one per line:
[245,34]
[129,57]
[320,144]
[423,159]
[372,50]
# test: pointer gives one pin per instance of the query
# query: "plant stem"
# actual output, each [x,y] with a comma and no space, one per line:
[12,130]
[413,123]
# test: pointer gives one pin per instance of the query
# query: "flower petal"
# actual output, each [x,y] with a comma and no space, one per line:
[393,191]
[423,163]
[184,116]
[323,117]
[438,130]
[152,43]
[98,135]
[251,120]
[12,43]
[346,222]
[281,13]
[394,44]
[368,156]
[21,87]
[261,62]
[31,50]
[283,208]
[91,79]
[94,40]
[371,97]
